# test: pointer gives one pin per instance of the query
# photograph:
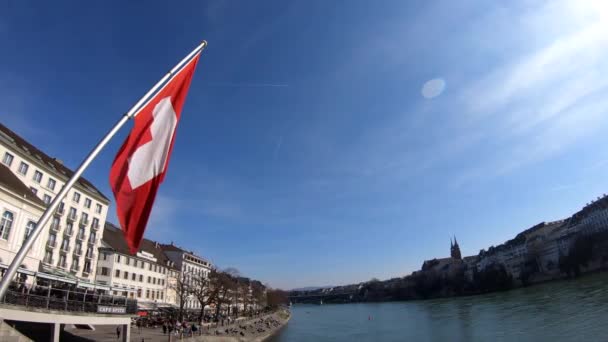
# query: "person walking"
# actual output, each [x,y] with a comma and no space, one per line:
[164,328]
[118,332]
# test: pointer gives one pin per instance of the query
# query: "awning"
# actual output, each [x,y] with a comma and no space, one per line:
[55,277]
[19,270]
[91,286]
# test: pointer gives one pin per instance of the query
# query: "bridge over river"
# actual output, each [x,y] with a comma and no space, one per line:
[323,297]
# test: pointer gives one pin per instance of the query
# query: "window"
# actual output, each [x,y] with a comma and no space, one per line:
[143,264]
[87,203]
[65,244]
[6,224]
[138,293]
[51,184]
[81,233]
[141,278]
[95,222]
[74,263]
[8,159]
[128,261]
[153,280]
[87,267]
[46,199]
[152,294]
[62,262]
[150,268]
[23,168]
[69,228]
[72,213]
[161,296]
[133,276]
[117,274]
[37,176]
[126,275]
[85,218]
[117,258]
[98,208]
[34,190]
[28,229]
[48,257]
[147,293]
[76,197]
[92,237]
[154,268]
[78,247]
[149,279]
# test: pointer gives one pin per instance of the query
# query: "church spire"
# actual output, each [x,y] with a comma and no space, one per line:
[455,249]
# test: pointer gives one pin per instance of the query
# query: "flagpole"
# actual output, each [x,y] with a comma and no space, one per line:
[44,219]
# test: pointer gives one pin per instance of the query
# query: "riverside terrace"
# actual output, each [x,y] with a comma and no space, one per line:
[56,304]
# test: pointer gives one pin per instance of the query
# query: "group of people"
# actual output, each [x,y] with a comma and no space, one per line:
[178,328]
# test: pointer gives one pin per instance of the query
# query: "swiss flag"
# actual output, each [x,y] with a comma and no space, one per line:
[141,163]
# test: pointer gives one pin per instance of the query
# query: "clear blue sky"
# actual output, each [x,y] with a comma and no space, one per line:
[309,151]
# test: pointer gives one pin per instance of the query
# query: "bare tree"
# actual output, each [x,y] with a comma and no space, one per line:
[204,290]
[183,290]
[232,271]
[225,288]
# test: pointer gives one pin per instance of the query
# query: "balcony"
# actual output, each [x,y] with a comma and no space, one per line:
[84,221]
[80,237]
[86,271]
[48,261]
[92,241]
[95,226]
[90,255]
[65,249]
[63,265]
[78,252]
[51,244]
[68,232]
[55,227]
[72,218]
[59,212]
[74,268]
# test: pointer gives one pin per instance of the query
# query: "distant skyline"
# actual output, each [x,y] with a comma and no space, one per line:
[329,142]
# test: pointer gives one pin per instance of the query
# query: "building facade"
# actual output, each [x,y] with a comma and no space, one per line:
[20,209]
[143,276]
[190,266]
[71,238]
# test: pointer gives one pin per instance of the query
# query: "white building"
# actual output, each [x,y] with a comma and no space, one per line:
[190,265]
[72,237]
[20,209]
[142,276]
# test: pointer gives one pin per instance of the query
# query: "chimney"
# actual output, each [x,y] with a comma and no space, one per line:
[58,161]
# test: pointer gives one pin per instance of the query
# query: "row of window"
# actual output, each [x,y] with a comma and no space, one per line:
[6,225]
[149,294]
[51,183]
[62,262]
[142,264]
[134,277]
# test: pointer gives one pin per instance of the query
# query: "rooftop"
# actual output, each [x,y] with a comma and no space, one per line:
[13,183]
[24,146]
[113,237]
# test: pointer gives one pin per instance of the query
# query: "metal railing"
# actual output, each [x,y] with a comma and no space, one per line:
[84,221]
[78,252]
[68,300]
[95,226]
[55,227]
[59,211]
[72,217]
[51,244]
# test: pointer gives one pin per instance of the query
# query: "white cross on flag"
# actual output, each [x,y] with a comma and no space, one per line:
[141,163]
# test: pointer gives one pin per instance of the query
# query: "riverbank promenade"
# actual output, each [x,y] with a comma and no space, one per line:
[243,329]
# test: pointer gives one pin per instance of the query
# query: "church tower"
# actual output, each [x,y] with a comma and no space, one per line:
[455,249]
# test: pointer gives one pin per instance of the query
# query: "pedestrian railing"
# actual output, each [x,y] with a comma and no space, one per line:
[66,300]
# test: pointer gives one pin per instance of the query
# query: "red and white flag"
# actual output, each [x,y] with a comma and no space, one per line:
[141,163]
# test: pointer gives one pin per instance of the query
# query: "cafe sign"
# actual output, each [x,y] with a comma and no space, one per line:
[112,309]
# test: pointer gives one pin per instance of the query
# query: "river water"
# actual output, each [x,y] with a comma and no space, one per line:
[571,310]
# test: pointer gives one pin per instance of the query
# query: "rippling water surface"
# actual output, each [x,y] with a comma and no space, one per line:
[573,310]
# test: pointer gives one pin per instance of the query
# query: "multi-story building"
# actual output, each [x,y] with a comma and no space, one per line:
[73,235]
[190,266]
[143,276]
[20,209]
